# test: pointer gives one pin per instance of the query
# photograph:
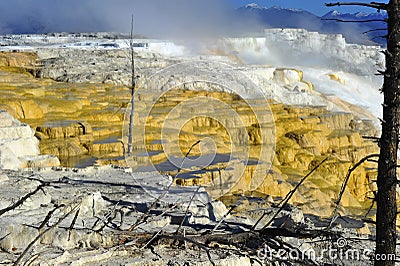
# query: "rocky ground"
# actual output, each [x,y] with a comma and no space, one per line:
[109,216]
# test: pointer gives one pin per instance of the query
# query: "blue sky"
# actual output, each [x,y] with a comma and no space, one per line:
[314,6]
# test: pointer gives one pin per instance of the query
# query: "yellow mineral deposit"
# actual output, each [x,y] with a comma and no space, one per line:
[336,77]
[86,120]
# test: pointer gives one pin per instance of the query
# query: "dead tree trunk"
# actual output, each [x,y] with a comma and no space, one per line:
[131,116]
[387,179]
[386,234]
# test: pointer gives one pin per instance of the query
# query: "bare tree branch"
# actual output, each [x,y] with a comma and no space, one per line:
[373,30]
[73,224]
[289,195]
[16,263]
[24,198]
[178,237]
[145,215]
[379,37]
[356,21]
[187,209]
[380,6]
[224,217]
[345,181]
[48,216]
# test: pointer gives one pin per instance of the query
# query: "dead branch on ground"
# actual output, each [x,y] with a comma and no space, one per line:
[344,184]
[30,245]
[24,198]
[146,214]
[284,202]
[187,209]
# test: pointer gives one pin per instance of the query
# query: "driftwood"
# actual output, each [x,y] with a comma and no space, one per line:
[245,243]
[30,245]
[24,198]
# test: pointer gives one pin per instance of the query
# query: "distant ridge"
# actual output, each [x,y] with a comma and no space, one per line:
[278,17]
